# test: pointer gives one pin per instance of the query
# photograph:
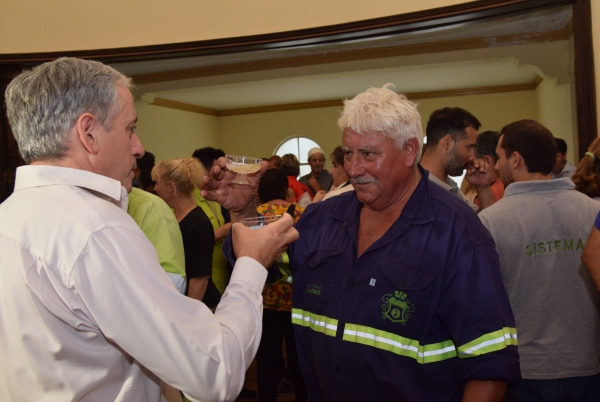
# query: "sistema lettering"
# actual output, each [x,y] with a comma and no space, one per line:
[554,246]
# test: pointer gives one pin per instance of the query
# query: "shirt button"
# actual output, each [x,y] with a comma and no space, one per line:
[337,368]
[353,285]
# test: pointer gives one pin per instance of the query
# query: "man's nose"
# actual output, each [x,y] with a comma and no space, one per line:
[353,167]
[136,147]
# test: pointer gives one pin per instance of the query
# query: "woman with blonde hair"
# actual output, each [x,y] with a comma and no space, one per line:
[175,180]
[587,175]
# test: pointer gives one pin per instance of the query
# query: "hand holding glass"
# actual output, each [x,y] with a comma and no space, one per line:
[260,221]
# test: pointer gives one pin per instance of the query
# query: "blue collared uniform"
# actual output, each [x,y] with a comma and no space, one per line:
[422,311]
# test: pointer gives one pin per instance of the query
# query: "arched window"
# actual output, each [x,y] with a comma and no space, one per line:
[298,146]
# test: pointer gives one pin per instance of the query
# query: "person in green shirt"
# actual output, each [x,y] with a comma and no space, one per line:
[158,223]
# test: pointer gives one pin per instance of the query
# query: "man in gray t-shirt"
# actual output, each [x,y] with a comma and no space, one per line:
[540,227]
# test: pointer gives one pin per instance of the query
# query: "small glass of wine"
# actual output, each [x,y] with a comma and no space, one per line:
[260,221]
[242,165]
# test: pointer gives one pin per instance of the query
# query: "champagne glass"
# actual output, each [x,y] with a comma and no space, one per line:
[242,165]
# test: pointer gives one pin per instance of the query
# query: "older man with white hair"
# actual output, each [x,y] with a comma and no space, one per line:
[86,311]
[397,292]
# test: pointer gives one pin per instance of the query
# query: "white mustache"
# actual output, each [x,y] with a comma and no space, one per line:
[364,180]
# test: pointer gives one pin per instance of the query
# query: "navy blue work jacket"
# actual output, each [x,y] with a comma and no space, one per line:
[422,311]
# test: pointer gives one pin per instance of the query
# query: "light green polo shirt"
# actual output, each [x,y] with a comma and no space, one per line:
[158,223]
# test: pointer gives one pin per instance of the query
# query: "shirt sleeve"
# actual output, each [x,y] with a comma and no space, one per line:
[130,299]
[476,312]
[597,222]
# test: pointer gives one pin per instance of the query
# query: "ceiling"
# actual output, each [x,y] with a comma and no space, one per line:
[511,52]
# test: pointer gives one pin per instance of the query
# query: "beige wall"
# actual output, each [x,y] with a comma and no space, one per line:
[170,133]
[259,134]
[492,110]
[554,103]
[28,26]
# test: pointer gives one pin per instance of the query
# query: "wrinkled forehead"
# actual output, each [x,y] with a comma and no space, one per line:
[316,156]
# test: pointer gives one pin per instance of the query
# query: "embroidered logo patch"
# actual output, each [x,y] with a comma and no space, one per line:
[396,307]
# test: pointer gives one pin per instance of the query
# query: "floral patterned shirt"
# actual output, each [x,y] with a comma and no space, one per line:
[278,295]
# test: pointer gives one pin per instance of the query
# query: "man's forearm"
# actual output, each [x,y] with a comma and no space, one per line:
[485,197]
[197,287]
[484,391]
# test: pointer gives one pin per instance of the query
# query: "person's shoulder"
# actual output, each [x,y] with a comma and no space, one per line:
[335,201]
[445,198]
[198,213]
[142,196]
[325,209]
[449,209]
[196,219]
[143,199]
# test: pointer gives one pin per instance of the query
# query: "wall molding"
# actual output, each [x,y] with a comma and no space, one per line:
[171,104]
[156,101]
[352,55]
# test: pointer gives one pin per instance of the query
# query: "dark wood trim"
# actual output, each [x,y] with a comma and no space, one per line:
[465,13]
[585,79]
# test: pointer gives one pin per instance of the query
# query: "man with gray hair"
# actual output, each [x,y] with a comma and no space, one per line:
[397,293]
[86,311]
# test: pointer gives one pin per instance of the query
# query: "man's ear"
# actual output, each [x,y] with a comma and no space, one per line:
[411,149]
[87,132]
[516,160]
[447,142]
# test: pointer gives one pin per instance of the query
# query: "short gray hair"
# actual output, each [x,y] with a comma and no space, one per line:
[43,104]
[382,110]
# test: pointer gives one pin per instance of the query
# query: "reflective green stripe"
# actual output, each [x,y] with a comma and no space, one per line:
[489,343]
[434,352]
[318,323]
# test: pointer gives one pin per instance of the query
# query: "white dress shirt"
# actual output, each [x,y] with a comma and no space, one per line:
[88,314]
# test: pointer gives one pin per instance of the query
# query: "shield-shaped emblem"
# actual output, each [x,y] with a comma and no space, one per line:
[397,307]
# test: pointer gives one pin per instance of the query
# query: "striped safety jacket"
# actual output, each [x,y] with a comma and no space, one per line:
[422,311]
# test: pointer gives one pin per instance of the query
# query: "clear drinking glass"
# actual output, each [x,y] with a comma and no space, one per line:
[260,221]
[242,165]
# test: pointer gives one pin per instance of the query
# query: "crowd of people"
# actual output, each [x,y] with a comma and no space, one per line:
[127,279]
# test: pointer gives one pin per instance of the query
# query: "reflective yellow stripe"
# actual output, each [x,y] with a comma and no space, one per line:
[319,323]
[397,344]
[434,352]
[402,346]
[489,343]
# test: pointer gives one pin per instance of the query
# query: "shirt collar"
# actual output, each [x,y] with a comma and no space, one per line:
[45,175]
[449,184]
[563,183]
